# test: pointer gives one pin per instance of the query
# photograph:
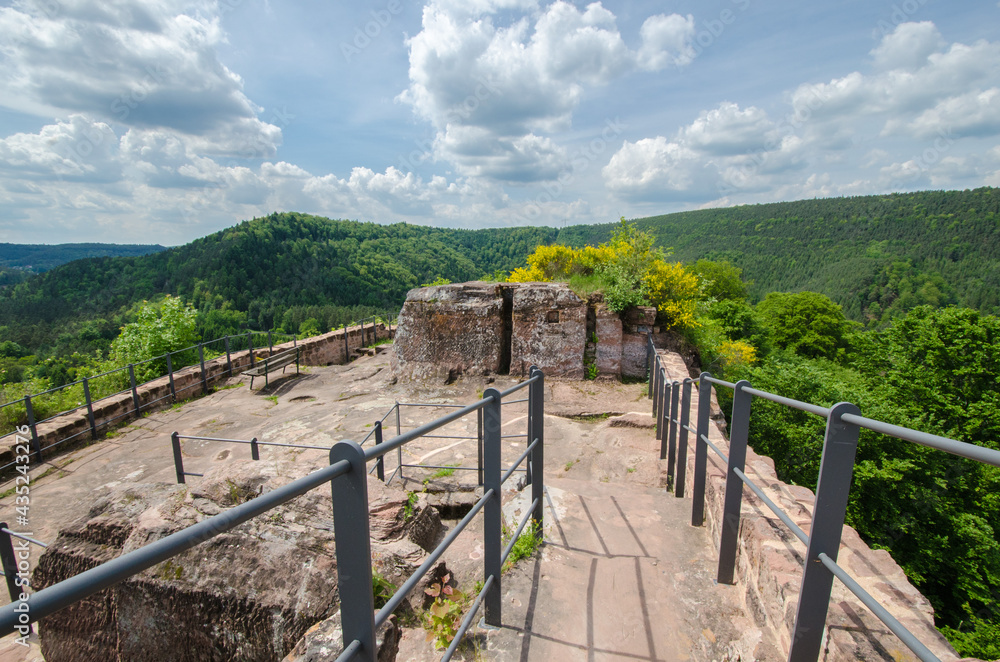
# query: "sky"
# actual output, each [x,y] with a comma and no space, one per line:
[160,121]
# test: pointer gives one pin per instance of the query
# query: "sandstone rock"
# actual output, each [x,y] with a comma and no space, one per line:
[448,330]
[608,328]
[549,330]
[325,641]
[640,316]
[634,363]
[247,594]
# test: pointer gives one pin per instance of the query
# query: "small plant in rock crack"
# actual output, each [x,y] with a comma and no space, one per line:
[444,616]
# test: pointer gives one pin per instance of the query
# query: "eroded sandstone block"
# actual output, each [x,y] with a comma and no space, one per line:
[247,594]
[549,330]
[448,330]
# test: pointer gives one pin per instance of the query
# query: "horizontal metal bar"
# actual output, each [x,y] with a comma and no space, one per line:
[467,621]
[782,515]
[69,438]
[517,534]
[514,467]
[229,441]
[378,451]
[517,387]
[188,473]
[438,466]
[24,537]
[953,446]
[511,436]
[514,402]
[897,628]
[52,599]
[414,579]
[788,402]
[445,436]
[427,404]
[720,382]
[715,448]
[349,652]
[690,429]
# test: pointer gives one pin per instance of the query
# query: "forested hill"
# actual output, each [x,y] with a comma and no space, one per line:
[42,257]
[265,267]
[877,256]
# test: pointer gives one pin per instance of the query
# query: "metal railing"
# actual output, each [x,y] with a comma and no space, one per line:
[671,407]
[348,477]
[109,383]
[377,432]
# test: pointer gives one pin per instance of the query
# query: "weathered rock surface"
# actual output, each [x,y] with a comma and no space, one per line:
[324,641]
[549,330]
[248,594]
[608,329]
[448,330]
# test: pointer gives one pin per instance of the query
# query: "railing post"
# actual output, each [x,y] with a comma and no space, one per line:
[675,389]
[399,449]
[204,376]
[266,363]
[682,441]
[536,396]
[135,392]
[254,449]
[170,375]
[229,359]
[738,434]
[90,408]
[178,460]
[664,411]
[9,562]
[649,364]
[701,449]
[253,359]
[835,473]
[379,464]
[30,411]
[658,410]
[354,549]
[479,445]
[655,378]
[492,515]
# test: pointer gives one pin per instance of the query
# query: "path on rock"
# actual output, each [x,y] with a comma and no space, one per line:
[622,574]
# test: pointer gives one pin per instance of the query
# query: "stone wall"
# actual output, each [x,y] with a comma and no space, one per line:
[770,558]
[73,427]
[549,330]
[482,329]
[248,594]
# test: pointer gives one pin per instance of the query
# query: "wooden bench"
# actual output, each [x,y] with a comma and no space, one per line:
[281,359]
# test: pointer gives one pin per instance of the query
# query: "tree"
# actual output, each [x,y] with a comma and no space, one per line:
[720,280]
[806,323]
[165,326]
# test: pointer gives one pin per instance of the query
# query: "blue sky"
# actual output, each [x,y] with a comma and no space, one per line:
[159,121]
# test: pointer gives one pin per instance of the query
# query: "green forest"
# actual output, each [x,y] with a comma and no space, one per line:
[889,302]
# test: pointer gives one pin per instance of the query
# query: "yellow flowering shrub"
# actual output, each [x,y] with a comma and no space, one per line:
[735,353]
[674,291]
[527,275]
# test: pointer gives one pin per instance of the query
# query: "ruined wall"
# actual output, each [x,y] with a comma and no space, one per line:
[445,331]
[549,330]
[770,559]
[504,328]
[74,426]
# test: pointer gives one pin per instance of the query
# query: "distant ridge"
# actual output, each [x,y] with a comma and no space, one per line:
[43,257]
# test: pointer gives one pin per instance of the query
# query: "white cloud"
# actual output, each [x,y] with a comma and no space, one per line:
[138,63]
[492,92]
[921,88]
